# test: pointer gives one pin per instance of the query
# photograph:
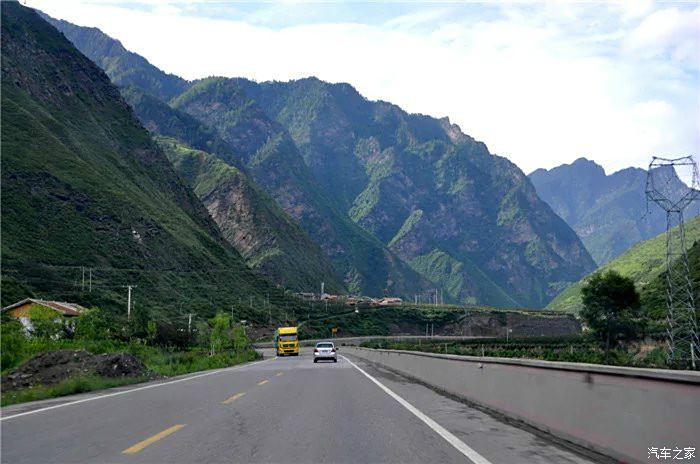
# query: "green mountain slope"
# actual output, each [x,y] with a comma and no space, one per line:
[643,263]
[252,222]
[262,149]
[608,212]
[381,165]
[159,118]
[653,295]
[272,160]
[83,184]
[122,66]
[339,164]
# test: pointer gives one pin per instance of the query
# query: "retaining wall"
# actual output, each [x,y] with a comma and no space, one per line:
[617,411]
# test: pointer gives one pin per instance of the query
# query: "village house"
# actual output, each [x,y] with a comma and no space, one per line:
[21,309]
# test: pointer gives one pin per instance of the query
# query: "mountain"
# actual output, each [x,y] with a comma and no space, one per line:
[643,263]
[84,185]
[468,220]
[653,295]
[122,66]
[273,161]
[608,212]
[249,219]
[159,118]
[381,190]
[249,140]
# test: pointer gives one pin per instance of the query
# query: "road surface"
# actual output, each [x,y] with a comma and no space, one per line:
[274,411]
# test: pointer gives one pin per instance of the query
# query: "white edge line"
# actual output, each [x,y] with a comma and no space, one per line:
[124,392]
[462,447]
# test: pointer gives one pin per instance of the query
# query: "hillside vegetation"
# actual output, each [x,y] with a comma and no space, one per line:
[84,185]
[643,263]
[250,220]
[468,220]
[401,203]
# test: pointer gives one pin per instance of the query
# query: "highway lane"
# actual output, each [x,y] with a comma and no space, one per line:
[278,410]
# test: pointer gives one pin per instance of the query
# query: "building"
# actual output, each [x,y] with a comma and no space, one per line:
[390,301]
[20,310]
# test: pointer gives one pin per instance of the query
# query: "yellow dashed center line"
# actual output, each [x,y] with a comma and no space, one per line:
[232,398]
[263,382]
[149,441]
[279,373]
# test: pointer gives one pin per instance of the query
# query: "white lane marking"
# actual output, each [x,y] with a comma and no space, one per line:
[462,447]
[92,398]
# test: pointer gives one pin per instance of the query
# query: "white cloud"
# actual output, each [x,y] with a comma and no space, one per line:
[668,31]
[541,84]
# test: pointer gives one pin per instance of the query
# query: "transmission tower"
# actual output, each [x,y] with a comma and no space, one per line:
[663,189]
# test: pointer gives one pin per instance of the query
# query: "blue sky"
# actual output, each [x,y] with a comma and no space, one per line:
[541,83]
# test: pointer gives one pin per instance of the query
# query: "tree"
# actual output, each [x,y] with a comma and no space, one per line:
[611,308]
[219,337]
[240,340]
[94,324]
[138,324]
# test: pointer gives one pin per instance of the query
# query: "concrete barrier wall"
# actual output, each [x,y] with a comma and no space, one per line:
[617,411]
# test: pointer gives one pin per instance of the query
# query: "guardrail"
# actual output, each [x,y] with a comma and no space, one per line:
[353,341]
[617,411]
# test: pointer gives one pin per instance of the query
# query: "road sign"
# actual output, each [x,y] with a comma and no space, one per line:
[334,330]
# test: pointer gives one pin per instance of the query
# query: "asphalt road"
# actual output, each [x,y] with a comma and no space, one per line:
[276,411]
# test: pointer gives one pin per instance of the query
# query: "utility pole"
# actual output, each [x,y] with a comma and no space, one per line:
[90,280]
[82,268]
[189,326]
[128,302]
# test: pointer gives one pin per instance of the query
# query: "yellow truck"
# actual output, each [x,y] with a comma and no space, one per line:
[287,341]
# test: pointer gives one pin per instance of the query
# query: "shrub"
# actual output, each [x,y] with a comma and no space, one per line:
[47,324]
[94,324]
[13,343]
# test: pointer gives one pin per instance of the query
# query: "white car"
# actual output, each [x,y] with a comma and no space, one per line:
[325,350]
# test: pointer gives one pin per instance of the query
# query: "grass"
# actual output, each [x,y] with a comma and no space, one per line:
[159,363]
[66,387]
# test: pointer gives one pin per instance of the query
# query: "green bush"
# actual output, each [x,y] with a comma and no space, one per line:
[47,324]
[94,324]
[13,343]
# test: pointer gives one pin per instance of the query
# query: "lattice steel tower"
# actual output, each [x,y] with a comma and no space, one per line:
[663,189]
